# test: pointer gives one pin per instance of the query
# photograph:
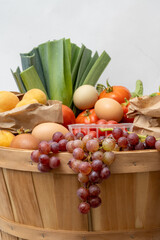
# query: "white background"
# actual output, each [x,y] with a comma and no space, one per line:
[128,30]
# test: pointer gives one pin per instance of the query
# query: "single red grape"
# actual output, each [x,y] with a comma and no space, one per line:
[84,207]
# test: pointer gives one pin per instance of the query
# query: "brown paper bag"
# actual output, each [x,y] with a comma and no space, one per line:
[146,113]
[29,116]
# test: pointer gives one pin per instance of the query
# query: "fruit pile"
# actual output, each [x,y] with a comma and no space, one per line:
[92,151]
[9,100]
[91,158]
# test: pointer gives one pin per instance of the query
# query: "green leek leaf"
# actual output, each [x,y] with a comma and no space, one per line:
[97,69]
[18,80]
[74,54]
[76,65]
[31,79]
[52,55]
[44,52]
[67,71]
[68,44]
[33,59]
[85,59]
[91,63]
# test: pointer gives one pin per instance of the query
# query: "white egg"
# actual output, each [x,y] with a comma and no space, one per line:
[85,97]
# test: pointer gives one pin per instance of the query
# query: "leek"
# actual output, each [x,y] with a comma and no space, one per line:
[86,57]
[76,65]
[74,54]
[31,79]
[52,55]
[85,73]
[33,58]
[58,68]
[67,71]
[97,69]
[18,80]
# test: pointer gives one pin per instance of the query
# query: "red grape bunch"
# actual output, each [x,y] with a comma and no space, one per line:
[91,158]
[44,155]
[132,141]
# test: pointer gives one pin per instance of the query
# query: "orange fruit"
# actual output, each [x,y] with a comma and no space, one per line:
[8,101]
[37,94]
[25,102]
[6,138]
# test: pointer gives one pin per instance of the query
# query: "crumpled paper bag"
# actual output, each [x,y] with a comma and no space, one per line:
[28,116]
[146,113]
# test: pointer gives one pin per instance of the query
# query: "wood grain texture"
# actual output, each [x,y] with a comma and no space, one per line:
[125,162]
[45,205]
[117,211]
[5,206]
[6,236]
[67,203]
[22,197]
[129,201]
[152,213]
[35,233]
[45,192]
[141,194]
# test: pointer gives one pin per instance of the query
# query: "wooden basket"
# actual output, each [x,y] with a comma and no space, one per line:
[43,206]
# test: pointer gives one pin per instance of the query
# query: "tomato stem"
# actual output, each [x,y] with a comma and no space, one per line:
[87,113]
[100,87]
[107,82]
[109,87]
[126,102]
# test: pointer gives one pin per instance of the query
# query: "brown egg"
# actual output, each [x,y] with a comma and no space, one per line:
[45,131]
[108,109]
[25,141]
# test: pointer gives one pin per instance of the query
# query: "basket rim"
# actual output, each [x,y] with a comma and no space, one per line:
[125,161]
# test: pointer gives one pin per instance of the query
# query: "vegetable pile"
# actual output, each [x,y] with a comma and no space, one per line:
[58,68]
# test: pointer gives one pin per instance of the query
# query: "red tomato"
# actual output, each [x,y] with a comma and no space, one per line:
[68,116]
[118,93]
[93,134]
[112,122]
[82,130]
[101,121]
[125,118]
[88,116]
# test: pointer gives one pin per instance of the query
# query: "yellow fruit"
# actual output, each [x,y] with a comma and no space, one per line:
[8,101]
[6,138]
[25,102]
[37,94]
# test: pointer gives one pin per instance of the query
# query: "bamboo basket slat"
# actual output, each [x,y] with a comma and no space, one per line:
[44,205]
